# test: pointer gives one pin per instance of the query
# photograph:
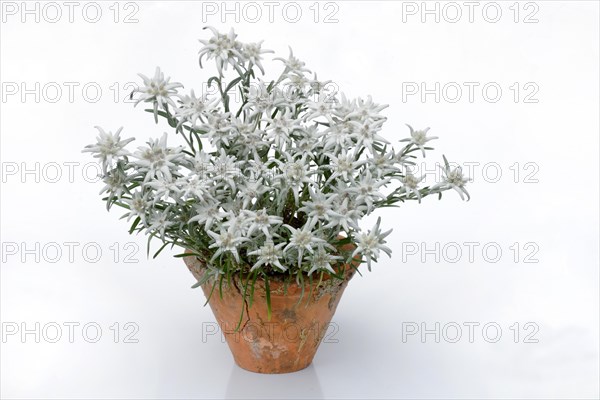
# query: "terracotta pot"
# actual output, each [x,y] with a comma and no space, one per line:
[289,340]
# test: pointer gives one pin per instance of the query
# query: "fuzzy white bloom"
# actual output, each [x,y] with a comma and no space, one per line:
[320,206]
[322,260]
[304,240]
[252,52]
[160,221]
[261,221]
[366,134]
[293,65]
[193,108]
[370,244]
[343,165]
[207,214]
[138,206]
[226,241]
[157,160]
[411,184]
[419,138]
[269,254]
[454,179]
[224,48]
[109,147]
[157,90]
[116,183]
[368,190]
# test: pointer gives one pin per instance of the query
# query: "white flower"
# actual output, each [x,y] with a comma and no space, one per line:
[371,243]
[338,136]
[157,90]
[383,164]
[367,189]
[344,108]
[207,214]
[304,240]
[292,64]
[320,87]
[160,221]
[248,140]
[279,130]
[346,215]
[218,129]
[295,173]
[195,186]
[454,179]
[251,190]
[163,190]
[307,141]
[343,165]
[252,53]
[320,108]
[261,221]
[411,184]
[296,87]
[320,205]
[226,168]
[157,160]
[419,138]
[366,134]
[193,108]
[226,241]
[365,110]
[116,183]
[268,254]
[108,148]
[224,48]
[235,221]
[321,260]
[138,206]
[261,100]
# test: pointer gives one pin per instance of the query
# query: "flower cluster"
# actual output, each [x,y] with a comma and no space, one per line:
[272,177]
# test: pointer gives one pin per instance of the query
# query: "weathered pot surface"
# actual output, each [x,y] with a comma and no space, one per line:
[288,341]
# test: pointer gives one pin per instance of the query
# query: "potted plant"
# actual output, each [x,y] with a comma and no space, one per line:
[265,194]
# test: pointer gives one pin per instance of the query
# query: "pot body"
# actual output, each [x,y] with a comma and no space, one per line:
[286,342]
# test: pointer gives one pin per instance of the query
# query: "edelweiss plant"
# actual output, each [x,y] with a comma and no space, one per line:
[274,176]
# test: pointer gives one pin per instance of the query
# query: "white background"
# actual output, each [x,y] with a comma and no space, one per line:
[372,50]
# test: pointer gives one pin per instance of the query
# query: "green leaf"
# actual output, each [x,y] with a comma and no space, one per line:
[254,277]
[232,84]
[188,255]
[211,293]
[268,292]
[213,78]
[159,250]
[243,303]
[134,225]
[202,280]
